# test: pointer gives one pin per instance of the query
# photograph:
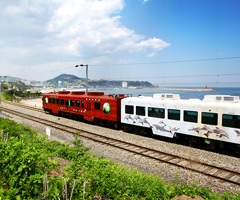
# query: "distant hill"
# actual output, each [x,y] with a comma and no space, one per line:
[10,78]
[16,79]
[114,83]
[70,79]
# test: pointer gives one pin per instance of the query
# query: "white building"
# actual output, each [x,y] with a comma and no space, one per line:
[124,84]
[59,83]
[26,82]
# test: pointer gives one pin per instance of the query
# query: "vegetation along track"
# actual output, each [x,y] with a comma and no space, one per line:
[223,174]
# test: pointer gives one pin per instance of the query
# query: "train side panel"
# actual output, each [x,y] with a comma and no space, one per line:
[94,105]
[210,119]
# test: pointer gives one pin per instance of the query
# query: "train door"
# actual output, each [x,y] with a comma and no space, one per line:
[88,115]
[58,104]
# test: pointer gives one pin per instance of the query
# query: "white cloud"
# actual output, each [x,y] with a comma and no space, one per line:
[153,43]
[101,59]
[65,31]
[144,1]
[122,61]
[152,54]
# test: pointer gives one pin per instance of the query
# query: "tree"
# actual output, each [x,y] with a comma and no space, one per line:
[4,86]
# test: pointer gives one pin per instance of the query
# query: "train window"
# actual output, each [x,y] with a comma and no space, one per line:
[49,100]
[231,121]
[156,112]
[140,110]
[173,114]
[97,106]
[77,103]
[209,118]
[190,116]
[53,101]
[82,104]
[72,103]
[128,109]
[62,101]
[57,101]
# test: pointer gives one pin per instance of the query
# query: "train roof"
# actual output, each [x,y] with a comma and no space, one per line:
[83,94]
[169,97]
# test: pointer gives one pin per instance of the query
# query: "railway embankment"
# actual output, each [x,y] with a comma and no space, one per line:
[97,177]
[167,172]
[49,169]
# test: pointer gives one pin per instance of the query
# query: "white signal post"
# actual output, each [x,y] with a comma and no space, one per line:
[86,75]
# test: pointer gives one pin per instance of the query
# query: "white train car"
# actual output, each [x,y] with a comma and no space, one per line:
[215,118]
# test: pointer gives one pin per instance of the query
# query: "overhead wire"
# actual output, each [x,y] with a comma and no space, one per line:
[162,62]
[177,61]
[185,76]
[199,83]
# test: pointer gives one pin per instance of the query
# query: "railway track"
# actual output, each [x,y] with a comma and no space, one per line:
[222,174]
[23,106]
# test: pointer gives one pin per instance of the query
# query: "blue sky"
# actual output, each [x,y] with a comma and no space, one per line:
[131,40]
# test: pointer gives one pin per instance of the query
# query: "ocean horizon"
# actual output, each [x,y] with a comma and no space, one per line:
[233,91]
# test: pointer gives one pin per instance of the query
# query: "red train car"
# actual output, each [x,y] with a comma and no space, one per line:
[94,106]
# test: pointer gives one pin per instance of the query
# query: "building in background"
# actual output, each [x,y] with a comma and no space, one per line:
[59,83]
[26,82]
[124,84]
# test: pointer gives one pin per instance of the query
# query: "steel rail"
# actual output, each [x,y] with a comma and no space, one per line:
[24,106]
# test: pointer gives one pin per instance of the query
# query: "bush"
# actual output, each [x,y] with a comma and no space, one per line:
[7,96]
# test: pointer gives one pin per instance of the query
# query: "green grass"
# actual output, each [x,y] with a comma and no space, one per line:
[7,96]
[28,155]
[20,94]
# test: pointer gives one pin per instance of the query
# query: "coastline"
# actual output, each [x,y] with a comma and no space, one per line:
[145,88]
[183,89]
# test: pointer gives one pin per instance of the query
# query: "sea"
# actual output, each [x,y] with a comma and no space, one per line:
[233,91]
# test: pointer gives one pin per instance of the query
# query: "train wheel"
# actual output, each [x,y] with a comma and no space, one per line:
[150,133]
[70,115]
[102,122]
[109,124]
[238,149]
[126,128]
[75,116]
[63,114]
[116,125]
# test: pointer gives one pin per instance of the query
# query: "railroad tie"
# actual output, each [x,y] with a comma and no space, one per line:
[206,170]
[230,175]
[238,181]
[168,159]
[178,161]
[217,172]
[143,151]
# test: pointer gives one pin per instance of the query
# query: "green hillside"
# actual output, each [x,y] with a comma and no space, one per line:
[10,78]
[64,77]
[68,79]
[114,83]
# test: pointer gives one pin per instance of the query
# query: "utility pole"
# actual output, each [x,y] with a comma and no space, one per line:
[1,88]
[86,75]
